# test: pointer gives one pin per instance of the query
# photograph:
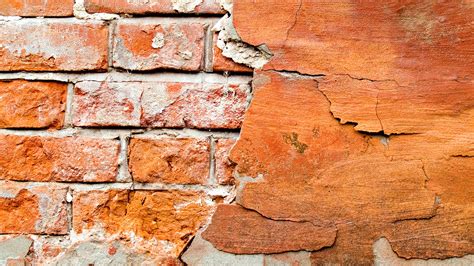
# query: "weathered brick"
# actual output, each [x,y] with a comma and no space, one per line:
[107,103]
[32,104]
[166,220]
[53,45]
[222,63]
[160,104]
[224,167]
[154,6]
[68,159]
[36,8]
[170,160]
[33,210]
[149,45]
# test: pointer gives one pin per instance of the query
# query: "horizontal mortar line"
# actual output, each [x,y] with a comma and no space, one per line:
[106,17]
[115,133]
[115,76]
[211,189]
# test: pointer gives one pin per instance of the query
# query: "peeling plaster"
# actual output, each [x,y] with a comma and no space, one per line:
[232,46]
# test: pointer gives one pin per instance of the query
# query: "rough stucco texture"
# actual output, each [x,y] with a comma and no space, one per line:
[362,122]
[206,132]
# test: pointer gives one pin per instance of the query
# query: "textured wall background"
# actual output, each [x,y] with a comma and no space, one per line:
[120,139]
[116,121]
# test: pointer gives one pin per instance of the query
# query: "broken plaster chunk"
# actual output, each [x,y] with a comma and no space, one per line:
[185,6]
[228,40]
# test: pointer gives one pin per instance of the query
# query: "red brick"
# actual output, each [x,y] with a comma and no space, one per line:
[160,104]
[224,167]
[161,221]
[36,8]
[32,210]
[148,45]
[169,160]
[222,63]
[53,45]
[32,104]
[154,6]
[69,159]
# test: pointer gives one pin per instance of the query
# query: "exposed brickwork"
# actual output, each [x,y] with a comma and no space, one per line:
[29,104]
[108,114]
[36,8]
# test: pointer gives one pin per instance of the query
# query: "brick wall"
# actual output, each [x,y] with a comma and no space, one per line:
[116,121]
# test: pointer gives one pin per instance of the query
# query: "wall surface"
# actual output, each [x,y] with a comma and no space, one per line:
[116,120]
[206,132]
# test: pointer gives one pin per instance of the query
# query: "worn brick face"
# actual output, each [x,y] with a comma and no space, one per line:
[53,45]
[143,45]
[33,210]
[169,160]
[36,8]
[69,159]
[30,104]
[168,217]
[154,6]
[160,104]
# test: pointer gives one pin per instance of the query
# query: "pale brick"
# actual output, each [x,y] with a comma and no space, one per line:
[36,8]
[53,45]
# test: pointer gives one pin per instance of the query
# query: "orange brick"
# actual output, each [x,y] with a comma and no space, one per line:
[69,159]
[36,8]
[53,45]
[33,210]
[154,6]
[172,161]
[32,104]
[148,45]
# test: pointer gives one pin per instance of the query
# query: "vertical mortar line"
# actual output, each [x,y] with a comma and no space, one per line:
[69,206]
[212,161]
[208,40]
[68,113]
[110,50]
[124,173]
